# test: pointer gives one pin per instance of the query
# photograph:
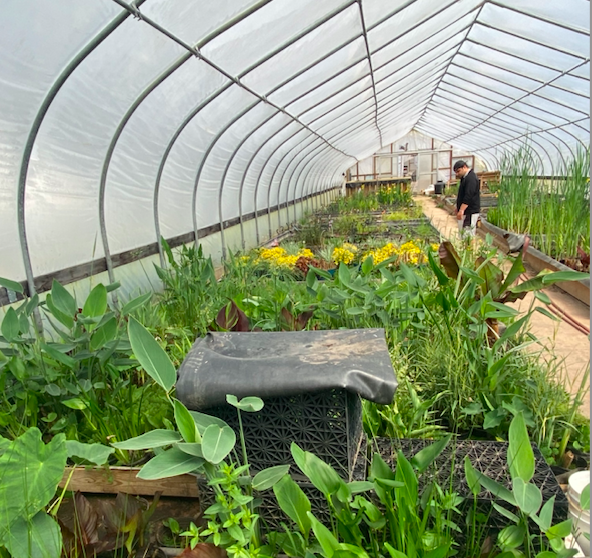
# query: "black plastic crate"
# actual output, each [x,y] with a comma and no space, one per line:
[489,458]
[271,515]
[328,424]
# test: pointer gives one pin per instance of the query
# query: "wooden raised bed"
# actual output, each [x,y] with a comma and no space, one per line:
[97,480]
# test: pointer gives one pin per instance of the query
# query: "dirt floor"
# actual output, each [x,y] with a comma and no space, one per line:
[570,345]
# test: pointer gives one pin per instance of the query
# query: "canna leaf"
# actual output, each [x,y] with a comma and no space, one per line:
[95,453]
[424,458]
[185,423]
[63,300]
[10,325]
[135,303]
[294,503]
[11,285]
[328,542]
[170,463]
[449,259]
[520,453]
[267,478]
[149,440]
[96,303]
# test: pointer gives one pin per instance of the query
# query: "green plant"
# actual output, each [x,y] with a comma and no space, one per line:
[526,500]
[401,523]
[30,472]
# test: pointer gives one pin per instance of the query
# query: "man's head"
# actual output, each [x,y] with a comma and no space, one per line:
[460,169]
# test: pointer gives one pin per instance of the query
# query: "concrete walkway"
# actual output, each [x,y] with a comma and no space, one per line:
[570,346]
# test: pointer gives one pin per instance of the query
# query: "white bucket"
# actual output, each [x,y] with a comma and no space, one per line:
[581,518]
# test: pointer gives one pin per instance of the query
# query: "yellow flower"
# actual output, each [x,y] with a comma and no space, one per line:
[341,255]
[305,253]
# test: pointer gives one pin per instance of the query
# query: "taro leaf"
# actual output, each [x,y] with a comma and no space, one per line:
[151,355]
[103,334]
[217,443]
[30,471]
[96,303]
[10,325]
[425,457]
[135,303]
[247,404]
[492,276]
[449,259]
[267,478]
[293,502]
[37,537]
[185,423]
[63,300]
[95,453]
[11,285]
[520,454]
[170,463]
[203,421]
[527,495]
[232,318]
[149,440]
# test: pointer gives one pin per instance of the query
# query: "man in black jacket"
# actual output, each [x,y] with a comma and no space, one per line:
[468,201]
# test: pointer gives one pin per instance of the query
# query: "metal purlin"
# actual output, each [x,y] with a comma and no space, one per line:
[365,33]
[24,169]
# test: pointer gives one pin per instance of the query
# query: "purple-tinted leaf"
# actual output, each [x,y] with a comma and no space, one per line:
[449,259]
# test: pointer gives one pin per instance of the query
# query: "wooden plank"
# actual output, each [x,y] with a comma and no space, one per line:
[123,479]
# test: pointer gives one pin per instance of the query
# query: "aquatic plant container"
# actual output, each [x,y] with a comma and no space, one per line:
[489,458]
[311,383]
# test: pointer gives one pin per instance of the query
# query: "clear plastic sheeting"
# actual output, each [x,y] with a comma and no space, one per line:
[123,122]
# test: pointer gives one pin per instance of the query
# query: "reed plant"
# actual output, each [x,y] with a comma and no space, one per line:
[554,211]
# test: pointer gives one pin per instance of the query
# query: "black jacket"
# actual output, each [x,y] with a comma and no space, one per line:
[469,193]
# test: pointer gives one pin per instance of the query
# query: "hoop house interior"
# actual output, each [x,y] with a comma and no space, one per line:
[121,122]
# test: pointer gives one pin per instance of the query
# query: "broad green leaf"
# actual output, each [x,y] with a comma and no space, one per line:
[492,276]
[328,542]
[38,537]
[293,502]
[203,421]
[585,498]
[520,454]
[355,311]
[367,265]
[357,487]
[439,552]
[560,530]
[407,495]
[322,475]
[102,335]
[379,470]
[527,495]
[11,285]
[247,404]
[10,325]
[550,278]
[113,286]
[512,536]
[345,550]
[425,457]
[190,449]
[170,463]
[151,355]
[75,403]
[515,271]
[511,331]
[95,453]
[30,471]
[185,423]
[545,517]
[546,554]
[492,419]
[440,275]
[506,513]
[449,259]
[150,440]
[56,354]
[63,318]
[496,489]
[394,552]
[268,477]
[472,477]
[217,443]
[135,303]
[63,300]
[96,303]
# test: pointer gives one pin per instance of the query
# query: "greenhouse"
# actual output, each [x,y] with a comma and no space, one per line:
[294,278]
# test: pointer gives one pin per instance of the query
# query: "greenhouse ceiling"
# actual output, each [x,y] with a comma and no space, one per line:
[123,122]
